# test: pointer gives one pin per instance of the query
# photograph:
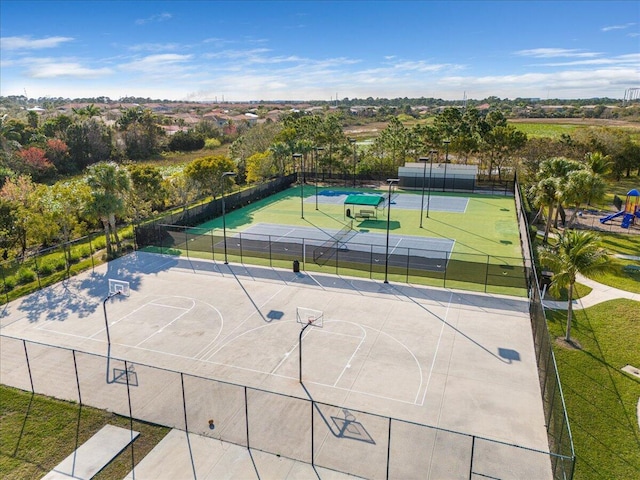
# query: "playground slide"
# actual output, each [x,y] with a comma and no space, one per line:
[626,220]
[612,216]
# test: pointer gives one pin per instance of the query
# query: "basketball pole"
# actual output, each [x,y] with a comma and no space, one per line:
[106,321]
[300,351]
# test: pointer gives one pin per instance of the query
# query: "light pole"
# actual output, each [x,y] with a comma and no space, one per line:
[299,156]
[317,149]
[353,143]
[224,224]
[446,160]
[424,161]
[431,154]
[390,181]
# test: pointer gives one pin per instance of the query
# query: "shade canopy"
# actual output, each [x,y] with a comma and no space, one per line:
[367,200]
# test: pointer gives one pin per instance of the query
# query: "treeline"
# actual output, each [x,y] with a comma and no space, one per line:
[102,180]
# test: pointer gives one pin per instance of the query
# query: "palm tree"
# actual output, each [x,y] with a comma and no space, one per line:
[577,251]
[110,184]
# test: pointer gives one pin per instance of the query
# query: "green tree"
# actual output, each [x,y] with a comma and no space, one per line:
[20,193]
[148,191]
[206,172]
[260,166]
[575,252]
[89,141]
[141,133]
[110,184]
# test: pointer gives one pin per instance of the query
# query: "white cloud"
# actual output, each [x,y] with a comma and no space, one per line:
[68,69]
[161,17]
[555,52]
[154,47]
[618,27]
[28,43]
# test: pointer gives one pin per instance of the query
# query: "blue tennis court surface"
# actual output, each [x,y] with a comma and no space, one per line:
[404,201]
[355,240]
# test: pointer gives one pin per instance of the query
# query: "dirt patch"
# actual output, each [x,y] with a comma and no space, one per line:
[568,345]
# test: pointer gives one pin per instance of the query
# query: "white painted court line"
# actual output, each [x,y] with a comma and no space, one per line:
[435,353]
[227,340]
[193,304]
[348,364]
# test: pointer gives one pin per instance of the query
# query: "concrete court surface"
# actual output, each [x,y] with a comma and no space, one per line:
[457,360]
[209,459]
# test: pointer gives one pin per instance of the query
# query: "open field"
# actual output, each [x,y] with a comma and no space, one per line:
[601,399]
[37,432]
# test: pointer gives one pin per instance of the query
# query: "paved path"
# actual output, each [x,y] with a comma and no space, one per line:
[600,293]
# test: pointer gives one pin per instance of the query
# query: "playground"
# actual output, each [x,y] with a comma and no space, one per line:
[630,213]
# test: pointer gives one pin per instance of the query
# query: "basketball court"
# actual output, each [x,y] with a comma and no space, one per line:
[456,360]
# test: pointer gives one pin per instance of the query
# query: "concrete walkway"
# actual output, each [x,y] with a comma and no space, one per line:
[600,293]
[93,455]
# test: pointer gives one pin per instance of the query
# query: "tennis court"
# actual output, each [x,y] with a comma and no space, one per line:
[458,361]
[405,201]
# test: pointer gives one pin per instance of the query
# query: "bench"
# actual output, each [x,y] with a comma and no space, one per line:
[365,214]
[631,268]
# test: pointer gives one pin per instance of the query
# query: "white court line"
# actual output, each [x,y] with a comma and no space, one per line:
[168,306]
[285,235]
[193,304]
[435,353]
[203,353]
[286,355]
[348,364]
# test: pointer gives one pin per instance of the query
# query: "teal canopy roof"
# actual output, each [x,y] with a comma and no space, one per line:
[368,200]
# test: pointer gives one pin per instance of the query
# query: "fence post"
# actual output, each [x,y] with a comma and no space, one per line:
[35,262]
[388,448]
[371,262]
[126,376]
[473,445]
[240,236]
[270,261]
[93,267]
[4,282]
[75,367]
[312,434]
[186,241]
[408,256]
[213,255]
[486,275]
[246,415]
[26,356]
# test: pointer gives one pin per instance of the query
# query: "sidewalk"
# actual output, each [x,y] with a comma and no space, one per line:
[600,293]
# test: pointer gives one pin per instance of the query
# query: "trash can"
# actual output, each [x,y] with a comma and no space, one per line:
[349,212]
[296,266]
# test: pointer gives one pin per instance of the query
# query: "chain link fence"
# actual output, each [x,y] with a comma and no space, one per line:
[477,272]
[302,429]
[556,420]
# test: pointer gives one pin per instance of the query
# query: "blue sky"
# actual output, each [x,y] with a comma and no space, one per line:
[308,50]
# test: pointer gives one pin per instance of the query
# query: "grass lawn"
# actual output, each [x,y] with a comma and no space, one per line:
[38,432]
[601,399]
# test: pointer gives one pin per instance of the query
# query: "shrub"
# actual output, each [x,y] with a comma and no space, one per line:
[59,264]
[74,257]
[84,251]
[46,268]
[211,143]
[99,243]
[9,284]
[25,275]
